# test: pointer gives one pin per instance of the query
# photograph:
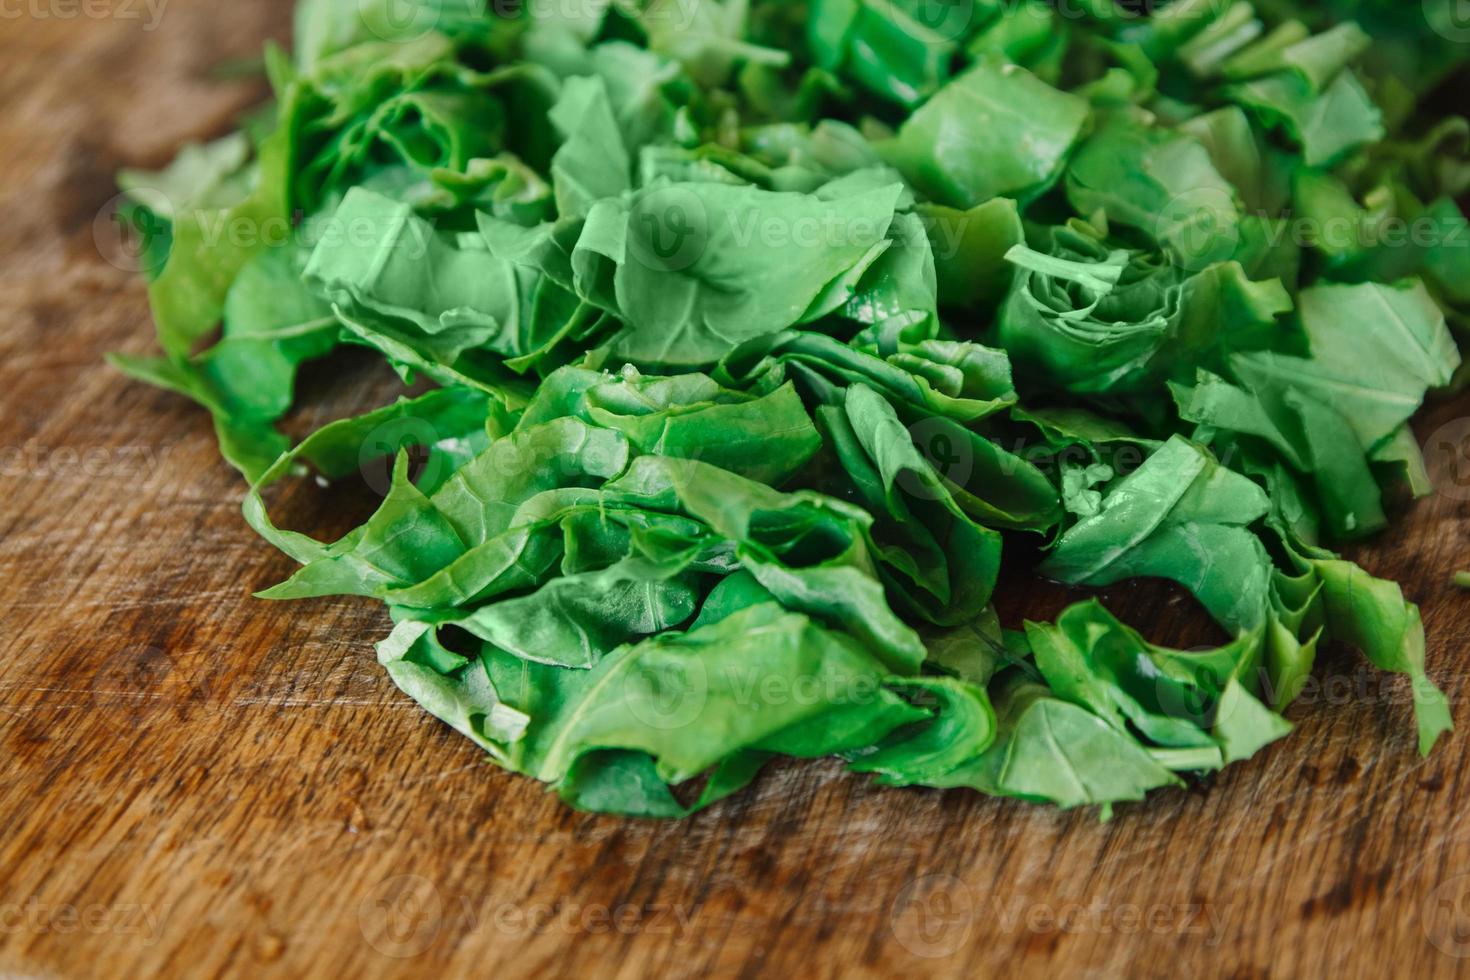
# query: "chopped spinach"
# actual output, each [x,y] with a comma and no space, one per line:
[758,330]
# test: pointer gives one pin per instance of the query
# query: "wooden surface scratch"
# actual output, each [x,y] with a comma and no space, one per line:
[194,782]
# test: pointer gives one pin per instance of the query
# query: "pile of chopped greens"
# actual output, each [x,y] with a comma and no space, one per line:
[746,338]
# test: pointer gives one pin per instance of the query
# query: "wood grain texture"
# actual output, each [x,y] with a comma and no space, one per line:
[193,782]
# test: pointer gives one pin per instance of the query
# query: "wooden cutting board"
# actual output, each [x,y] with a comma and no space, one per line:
[195,782]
